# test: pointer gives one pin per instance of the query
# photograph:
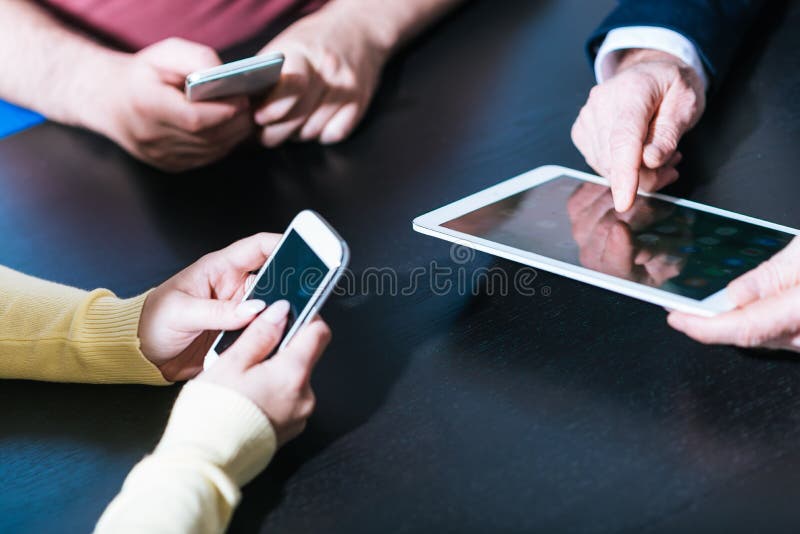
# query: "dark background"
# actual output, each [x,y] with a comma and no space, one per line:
[578,411]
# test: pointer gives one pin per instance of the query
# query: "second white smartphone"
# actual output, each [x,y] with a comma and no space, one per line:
[303,269]
[249,76]
[668,251]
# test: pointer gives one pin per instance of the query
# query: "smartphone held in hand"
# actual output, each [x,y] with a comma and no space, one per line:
[303,270]
[251,76]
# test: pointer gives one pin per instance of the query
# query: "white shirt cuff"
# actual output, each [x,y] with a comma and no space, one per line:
[651,37]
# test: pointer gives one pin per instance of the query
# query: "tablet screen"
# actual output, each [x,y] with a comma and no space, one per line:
[681,250]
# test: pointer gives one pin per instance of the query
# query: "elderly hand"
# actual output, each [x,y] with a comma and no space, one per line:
[767,310]
[629,129]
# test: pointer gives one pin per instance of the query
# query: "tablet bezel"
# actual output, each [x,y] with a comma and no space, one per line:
[431,224]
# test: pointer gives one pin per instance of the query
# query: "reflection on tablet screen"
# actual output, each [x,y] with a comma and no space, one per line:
[682,250]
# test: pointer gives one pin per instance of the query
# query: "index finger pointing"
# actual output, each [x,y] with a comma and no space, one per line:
[626,146]
[626,160]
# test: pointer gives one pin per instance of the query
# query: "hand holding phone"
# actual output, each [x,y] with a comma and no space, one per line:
[303,270]
[249,76]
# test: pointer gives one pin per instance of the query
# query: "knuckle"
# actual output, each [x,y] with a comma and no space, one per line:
[207,260]
[172,41]
[153,151]
[324,332]
[192,122]
[596,92]
[667,139]
[152,140]
[773,276]
[348,78]
[307,406]
[298,384]
[748,334]
[329,64]
[266,331]
[577,131]
[264,237]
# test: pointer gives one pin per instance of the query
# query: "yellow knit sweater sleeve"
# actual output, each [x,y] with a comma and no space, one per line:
[61,334]
[215,442]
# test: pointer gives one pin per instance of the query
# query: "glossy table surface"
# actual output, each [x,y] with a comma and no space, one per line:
[571,410]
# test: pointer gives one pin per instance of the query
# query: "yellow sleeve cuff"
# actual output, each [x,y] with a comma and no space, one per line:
[107,332]
[58,333]
[216,441]
[219,426]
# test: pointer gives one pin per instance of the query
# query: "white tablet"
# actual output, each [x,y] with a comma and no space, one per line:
[671,252]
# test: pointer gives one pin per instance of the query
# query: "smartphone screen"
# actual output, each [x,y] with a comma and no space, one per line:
[294,274]
[682,250]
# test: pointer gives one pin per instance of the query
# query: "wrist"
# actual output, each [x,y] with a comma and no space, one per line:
[380,26]
[667,64]
[216,425]
[635,56]
[99,103]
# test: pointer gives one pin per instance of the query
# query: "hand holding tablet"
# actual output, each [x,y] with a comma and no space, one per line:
[672,252]
[767,310]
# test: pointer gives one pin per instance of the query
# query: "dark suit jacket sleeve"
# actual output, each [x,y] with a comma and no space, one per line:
[716,27]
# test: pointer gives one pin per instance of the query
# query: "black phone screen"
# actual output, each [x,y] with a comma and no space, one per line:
[293,274]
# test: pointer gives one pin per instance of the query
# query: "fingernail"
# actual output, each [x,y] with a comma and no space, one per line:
[249,308]
[675,321]
[330,137]
[277,311]
[261,118]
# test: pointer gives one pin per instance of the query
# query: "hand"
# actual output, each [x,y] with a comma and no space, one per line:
[330,74]
[767,310]
[629,129]
[606,238]
[182,316]
[281,385]
[148,115]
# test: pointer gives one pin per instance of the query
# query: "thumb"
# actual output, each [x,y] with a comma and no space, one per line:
[307,347]
[198,314]
[774,276]
[261,337]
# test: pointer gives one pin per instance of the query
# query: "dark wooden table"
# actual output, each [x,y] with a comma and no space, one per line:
[571,410]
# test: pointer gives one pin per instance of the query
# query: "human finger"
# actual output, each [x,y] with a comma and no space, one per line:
[261,337]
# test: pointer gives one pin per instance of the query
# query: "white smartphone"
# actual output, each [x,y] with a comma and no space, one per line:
[672,252]
[303,269]
[249,76]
